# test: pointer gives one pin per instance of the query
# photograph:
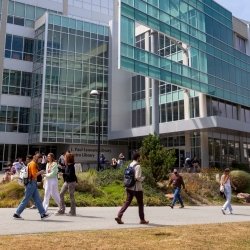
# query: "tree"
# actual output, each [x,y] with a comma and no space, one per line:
[156,159]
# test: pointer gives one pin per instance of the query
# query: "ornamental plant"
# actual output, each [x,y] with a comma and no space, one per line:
[155,159]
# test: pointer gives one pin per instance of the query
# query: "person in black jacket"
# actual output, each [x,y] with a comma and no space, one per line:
[69,184]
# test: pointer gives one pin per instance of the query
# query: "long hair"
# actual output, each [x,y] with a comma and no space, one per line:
[36,157]
[69,158]
[226,174]
[52,156]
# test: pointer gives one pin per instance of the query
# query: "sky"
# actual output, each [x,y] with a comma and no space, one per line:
[239,8]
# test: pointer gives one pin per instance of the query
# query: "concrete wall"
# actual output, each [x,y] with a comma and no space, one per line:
[240,28]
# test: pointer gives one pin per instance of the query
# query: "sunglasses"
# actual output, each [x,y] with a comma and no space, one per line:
[175,172]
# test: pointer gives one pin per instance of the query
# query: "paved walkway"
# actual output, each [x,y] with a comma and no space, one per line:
[99,218]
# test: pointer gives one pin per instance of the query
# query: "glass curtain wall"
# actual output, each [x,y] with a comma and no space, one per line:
[76,63]
[37,82]
[206,29]
[223,149]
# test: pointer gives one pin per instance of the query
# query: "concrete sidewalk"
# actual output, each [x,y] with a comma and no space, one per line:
[100,218]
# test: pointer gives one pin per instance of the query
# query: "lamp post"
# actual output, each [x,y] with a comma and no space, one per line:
[96,93]
[195,133]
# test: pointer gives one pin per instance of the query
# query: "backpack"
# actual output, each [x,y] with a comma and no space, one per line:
[101,160]
[23,179]
[129,176]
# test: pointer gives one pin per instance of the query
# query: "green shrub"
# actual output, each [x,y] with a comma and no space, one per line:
[241,180]
[156,159]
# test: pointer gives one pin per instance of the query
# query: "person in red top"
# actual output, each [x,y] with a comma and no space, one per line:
[177,182]
[31,190]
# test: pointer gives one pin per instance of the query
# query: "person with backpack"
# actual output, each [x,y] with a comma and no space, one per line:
[133,182]
[101,162]
[31,190]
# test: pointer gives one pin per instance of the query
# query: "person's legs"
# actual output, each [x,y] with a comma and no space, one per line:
[139,198]
[30,188]
[175,196]
[130,195]
[228,194]
[71,188]
[38,201]
[47,194]
[54,191]
[62,193]
[178,196]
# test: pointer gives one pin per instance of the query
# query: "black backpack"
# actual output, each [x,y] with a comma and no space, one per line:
[129,176]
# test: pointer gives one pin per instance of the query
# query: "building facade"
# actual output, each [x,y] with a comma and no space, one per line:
[180,68]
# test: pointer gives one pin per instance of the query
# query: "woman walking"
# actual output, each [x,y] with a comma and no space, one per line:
[31,190]
[226,181]
[51,182]
[69,184]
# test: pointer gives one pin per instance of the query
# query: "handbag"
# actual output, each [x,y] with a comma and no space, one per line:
[222,188]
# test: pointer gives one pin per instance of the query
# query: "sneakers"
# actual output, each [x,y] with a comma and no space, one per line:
[230,213]
[172,206]
[45,216]
[223,211]
[119,220]
[59,213]
[182,206]
[144,221]
[17,217]
[33,207]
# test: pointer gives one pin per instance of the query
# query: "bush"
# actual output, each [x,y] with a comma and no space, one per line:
[155,158]
[241,180]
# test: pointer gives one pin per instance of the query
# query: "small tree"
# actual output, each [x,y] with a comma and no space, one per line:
[156,159]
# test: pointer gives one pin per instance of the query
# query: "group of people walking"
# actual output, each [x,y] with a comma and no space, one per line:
[50,175]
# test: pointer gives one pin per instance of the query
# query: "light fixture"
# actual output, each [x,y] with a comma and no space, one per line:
[96,93]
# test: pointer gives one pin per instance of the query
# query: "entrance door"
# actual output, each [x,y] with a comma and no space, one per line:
[180,157]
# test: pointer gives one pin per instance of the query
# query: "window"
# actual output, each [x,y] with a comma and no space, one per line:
[19,48]
[24,14]
[14,119]
[240,44]
[16,82]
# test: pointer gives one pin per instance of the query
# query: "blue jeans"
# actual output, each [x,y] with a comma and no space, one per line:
[228,194]
[31,191]
[177,196]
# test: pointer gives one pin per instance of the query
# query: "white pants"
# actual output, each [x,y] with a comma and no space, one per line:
[51,189]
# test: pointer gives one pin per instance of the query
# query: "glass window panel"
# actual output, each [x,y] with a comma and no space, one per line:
[30,12]
[18,21]
[8,42]
[39,12]
[19,9]
[29,23]
[17,44]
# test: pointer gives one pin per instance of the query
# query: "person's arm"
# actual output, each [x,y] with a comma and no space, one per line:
[222,180]
[53,171]
[182,183]
[231,182]
[138,173]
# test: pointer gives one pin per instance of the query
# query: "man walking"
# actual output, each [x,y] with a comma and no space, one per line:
[177,182]
[136,191]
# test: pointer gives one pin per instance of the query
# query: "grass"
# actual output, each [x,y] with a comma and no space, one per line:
[203,237]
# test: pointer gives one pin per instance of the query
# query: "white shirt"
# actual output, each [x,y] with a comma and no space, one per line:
[228,184]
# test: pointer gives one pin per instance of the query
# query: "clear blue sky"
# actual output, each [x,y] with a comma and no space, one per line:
[239,8]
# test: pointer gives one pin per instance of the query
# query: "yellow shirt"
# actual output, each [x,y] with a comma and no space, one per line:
[33,170]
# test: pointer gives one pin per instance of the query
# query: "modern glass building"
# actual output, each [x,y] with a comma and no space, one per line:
[180,68]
